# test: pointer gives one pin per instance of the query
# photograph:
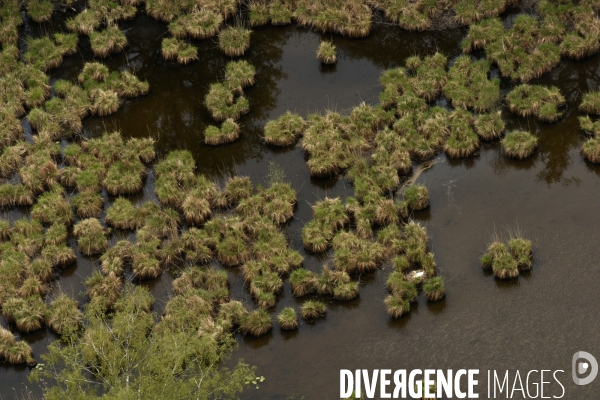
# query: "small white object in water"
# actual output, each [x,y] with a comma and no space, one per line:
[416,275]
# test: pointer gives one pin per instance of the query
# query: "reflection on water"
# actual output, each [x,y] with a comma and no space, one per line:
[535,322]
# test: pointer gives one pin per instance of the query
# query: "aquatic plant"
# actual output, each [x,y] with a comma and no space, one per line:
[540,101]
[489,126]
[85,22]
[505,267]
[52,207]
[434,289]
[520,249]
[417,197]
[519,144]
[104,290]
[257,323]
[396,306]
[326,53]
[40,10]
[183,52]
[462,141]
[346,291]
[590,103]
[259,13]
[31,315]
[287,319]
[227,133]
[239,75]
[313,309]
[111,40]
[91,237]
[64,315]
[220,102]
[302,282]
[349,18]
[469,87]
[19,352]
[591,150]
[234,40]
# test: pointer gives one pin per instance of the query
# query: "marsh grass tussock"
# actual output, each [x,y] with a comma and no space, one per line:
[287,318]
[396,306]
[234,40]
[257,323]
[313,309]
[227,133]
[40,10]
[519,144]
[591,150]
[177,49]
[91,236]
[536,100]
[63,315]
[326,53]
[285,130]
[590,103]
[222,103]
[506,261]
[489,126]
[434,289]
[416,197]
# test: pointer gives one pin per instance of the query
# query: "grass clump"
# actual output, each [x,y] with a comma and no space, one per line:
[313,309]
[591,150]
[396,305]
[520,249]
[52,207]
[104,290]
[416,197]
[91,237]
[88,204]
[257,323]
[259,13]
[285,130]
[326,53]
[234,41]
[590,103]
[85,22]
[239,75]
[434,289]
[222,104]
[64,316]
[110,40]
[177,49]
[489,126]
[302,282]
[346,291]
[519,144]
[536,100]
[227,133]
[40,10]
[468,85]
[349,18]
[288,320]
[505,262]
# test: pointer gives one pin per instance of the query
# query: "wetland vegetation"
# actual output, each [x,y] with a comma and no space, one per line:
[140,214]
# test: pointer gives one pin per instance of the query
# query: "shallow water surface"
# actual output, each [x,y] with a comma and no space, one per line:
[535,322]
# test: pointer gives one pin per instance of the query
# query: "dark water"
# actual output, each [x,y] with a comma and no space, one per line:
[535,322]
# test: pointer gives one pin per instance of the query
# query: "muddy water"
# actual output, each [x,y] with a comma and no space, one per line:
[535,322]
